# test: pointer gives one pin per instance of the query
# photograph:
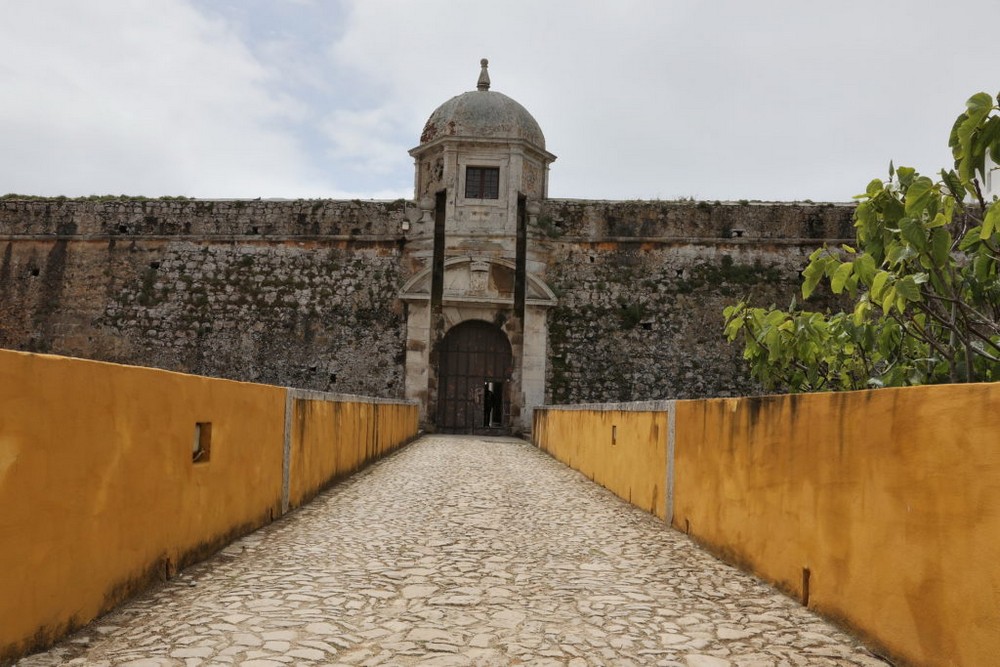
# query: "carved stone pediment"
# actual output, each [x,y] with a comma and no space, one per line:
[478,280]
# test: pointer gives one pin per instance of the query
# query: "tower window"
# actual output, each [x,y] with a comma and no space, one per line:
[482,182]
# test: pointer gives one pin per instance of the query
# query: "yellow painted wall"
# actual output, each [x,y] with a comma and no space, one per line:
[98,491]
[891,498]
[332,439]
[99,495]
[633,468]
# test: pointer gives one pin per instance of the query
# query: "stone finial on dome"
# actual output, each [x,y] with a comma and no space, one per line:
[484,76]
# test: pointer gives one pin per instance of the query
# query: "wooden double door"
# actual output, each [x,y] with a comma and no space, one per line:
[474,370]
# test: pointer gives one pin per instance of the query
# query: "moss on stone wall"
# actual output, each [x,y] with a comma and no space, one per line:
[647,323]
[278,314]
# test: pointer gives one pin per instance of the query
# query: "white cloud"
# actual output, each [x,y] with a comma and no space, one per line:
[361,140]
[139,97]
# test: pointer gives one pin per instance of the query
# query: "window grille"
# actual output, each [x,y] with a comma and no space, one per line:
[482,182]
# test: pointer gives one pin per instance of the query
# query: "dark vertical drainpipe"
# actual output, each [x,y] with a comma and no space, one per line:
[521,260]
[520,290]
[437,271]
[437,305]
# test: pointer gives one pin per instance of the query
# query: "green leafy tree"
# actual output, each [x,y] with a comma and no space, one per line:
[922,278]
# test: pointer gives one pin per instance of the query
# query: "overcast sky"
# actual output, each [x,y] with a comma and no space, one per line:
[727,99]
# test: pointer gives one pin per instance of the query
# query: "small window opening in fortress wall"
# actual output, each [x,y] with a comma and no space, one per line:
[614,434]
[736,233]
[201,448]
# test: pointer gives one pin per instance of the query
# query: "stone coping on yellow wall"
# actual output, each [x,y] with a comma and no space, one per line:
[316,395]
[631,406]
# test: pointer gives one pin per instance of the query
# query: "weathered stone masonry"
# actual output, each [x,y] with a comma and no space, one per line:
[306,293]
[299,293]
[642,286]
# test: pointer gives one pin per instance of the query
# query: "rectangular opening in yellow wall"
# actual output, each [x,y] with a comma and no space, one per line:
[201,448]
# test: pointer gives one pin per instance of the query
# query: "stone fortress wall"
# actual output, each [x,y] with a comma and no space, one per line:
[642,286]
[305,292]
[297,293]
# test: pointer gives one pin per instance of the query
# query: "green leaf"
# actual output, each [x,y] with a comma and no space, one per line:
[878,285]
[908,289]
[888,299]
[813,273]
[979,105]
[892,210]
[905,176]
[914,233]
[864,268]
[981,266]
[953,142]
[852,284]
[989,137]
[899,253]
[971,238]
[968,159]
[953,183]
[861,311]
[990,221]
[940,220]
[840,277]
[919,196]
[940,246]
[874,187]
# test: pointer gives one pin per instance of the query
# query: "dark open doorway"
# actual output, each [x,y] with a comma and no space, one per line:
[493,404]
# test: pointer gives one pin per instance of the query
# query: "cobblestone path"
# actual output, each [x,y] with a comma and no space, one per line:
[462,551]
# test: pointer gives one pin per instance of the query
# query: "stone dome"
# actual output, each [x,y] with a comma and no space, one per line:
[483,114]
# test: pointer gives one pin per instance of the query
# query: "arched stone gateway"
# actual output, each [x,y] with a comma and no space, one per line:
[477,291]
[475,365]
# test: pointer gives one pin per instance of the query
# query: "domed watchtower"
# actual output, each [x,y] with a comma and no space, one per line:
[476,324]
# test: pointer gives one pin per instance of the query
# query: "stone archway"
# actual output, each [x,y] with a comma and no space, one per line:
[478,289]
[475,365]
